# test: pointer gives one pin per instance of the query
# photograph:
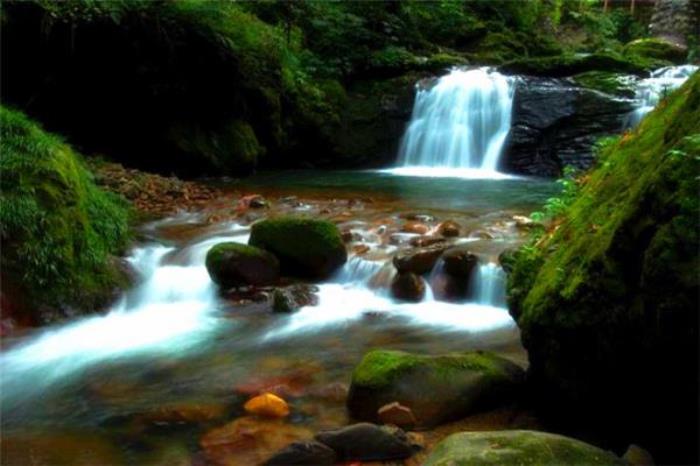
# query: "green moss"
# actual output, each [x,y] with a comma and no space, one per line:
[656,49]
[571,64]
[517,447]
[304,246]
[58,229]
[234,264]
[382,367]
[607,82]
[611,294]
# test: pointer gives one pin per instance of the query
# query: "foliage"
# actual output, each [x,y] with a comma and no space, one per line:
[557,205]
[58,229]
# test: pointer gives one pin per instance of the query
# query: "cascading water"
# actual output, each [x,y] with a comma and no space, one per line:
[461,123]
[661,82]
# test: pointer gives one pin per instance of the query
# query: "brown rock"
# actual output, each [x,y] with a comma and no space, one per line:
[397,414]
[460,262]
[422,241]
[267,405]
[415,227]
[408,287]
[449,229]
[418,260]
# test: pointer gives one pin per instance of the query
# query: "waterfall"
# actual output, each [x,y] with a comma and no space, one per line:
[650,90]
[489,285]
[462,122]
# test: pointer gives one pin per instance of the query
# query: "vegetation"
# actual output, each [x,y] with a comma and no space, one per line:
[609,293]
[58,229]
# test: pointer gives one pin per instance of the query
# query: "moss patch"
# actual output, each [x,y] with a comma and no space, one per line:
[571,64]
[59,230]
[518,447]
[656,49]
[305,247]
[234,264]
[611,294]
[607,82]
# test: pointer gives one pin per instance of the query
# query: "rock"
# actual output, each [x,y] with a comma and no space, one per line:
[309,452]
[293,297]
[657,49]
[249,440]
[517,447]
[638,456]
[252,201]
[448,287]
[397,414]
[415,227]
[418,260]
[449,229]
[267,405]
[525,223]
[556,123]
[56,447]
[408,287]
[234,264]
[436,388]
[422,241]
[305,247]
[480,234]
[507,259]
[181,413]
[368,442]
[460,262]
[418,217]
[360,249]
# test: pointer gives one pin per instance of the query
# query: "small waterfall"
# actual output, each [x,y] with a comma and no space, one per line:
[462,122]
[652,89]
[490,285]
[357,271]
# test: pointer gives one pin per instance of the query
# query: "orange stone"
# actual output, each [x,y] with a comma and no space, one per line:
[267,405]
[396,414]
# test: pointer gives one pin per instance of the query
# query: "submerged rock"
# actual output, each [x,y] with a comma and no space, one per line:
[267,405]
[436,388]
[397,414]
[408,287]
[294,297]
[449,229]
[234,264]
[305,247]
[517,447]
[368,442]
[308,452]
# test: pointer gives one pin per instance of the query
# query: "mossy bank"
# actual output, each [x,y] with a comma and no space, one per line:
[59,231]
[607,298]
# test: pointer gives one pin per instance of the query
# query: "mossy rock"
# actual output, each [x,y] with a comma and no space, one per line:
[517,447]
[436,388]
[617,84]
[611,296]
[305,247]
[571,64]
[59,231]
[657,49]
[233,148]
[234,264]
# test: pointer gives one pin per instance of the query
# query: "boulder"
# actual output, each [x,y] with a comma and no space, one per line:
[368,442]
[234,264]
[638,456]
[308,452]
[437,389]
[415,227]
[449,229]
[516,447]
[305,247]
[556,123]
[418,260]
[293,297]
[397,414]
[656,48]
[448,287]
[408,287]
[460,262]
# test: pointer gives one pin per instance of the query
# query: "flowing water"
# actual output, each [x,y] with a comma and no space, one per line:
[652,89]
[459,123]
[174,345]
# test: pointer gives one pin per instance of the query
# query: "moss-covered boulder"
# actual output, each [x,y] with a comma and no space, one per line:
[517,447]
[570,64]
[235,264]
[305,247]
[59,231]
[654,48]
[436,388]
[607,303]
[616,84]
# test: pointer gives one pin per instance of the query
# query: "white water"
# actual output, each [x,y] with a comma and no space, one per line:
[349,299]
[459,126]
[660,83]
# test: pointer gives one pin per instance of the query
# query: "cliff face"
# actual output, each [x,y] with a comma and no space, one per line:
[607,301]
